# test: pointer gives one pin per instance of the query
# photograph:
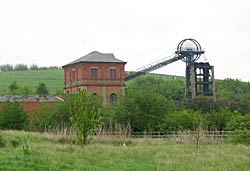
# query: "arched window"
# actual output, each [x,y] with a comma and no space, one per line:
[113,98]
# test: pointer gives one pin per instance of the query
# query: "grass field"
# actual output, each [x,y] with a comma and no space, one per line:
[52,78]
[46,152]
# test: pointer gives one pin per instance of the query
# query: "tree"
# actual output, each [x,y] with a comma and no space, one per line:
[219,120]
[6,67]
[184,120]
[85,115]
[42,89]
[201,103]
[34,67]
[21,67]
[13,116]
[143,110]
[169,88]
[26,90]
[13,86]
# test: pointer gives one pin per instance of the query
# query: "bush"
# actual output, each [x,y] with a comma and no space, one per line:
[184,120]
[50,117]
[239,123]
[2,141]
[240,127]
[143,110]
[219,120]
[42,89]
[13,116]
[43,118]
[201,103]
[16,141]
[240,136]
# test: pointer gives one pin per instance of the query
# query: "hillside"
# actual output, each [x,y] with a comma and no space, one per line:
[52,78]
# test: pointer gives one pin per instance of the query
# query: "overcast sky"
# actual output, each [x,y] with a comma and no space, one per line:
[56,32]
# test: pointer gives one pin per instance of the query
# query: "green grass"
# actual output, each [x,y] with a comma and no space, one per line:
[44,152]
[53,79]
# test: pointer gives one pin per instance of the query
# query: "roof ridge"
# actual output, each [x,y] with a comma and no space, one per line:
[96,56]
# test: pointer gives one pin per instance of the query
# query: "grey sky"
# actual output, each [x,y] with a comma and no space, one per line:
[56,32]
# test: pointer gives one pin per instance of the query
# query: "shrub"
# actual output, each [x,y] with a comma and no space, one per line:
[240,136]
[42,89]
[184,120]
[239,123]
[219,120]
[43,118]
[85,115]
[240,127]
[15,141]
[143,110]
[50,117]
[2,141]
[13,116]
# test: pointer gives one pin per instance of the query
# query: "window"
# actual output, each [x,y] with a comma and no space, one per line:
[73,78]
[112,73]
[113,98]
[93,71]
[77,74]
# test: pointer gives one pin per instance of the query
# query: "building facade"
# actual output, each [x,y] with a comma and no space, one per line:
[99,74]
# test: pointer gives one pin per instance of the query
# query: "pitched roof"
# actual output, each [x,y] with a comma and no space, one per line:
[12,98]
[97,57]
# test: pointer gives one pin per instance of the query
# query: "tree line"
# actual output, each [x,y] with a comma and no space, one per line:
[14,89]
[24,67]
[152,103]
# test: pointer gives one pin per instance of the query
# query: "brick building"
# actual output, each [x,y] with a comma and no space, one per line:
[30,103]
[99,74]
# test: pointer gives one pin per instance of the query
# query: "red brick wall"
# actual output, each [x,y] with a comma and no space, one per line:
[83,79]
[94,89]
[30,107]
[83,71]
[113,89]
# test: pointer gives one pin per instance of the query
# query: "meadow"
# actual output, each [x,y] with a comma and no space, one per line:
[35,151]
[53,79]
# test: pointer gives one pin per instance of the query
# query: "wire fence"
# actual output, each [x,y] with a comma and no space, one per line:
[169,134]
[125,133]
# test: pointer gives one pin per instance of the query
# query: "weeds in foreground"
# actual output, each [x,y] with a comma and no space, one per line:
[26,146]
[16,141]
[54,152]
[2,141]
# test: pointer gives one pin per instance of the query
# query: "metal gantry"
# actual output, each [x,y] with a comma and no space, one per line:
[199,76]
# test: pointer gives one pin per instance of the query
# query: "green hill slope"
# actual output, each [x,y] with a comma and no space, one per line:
[52,78]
